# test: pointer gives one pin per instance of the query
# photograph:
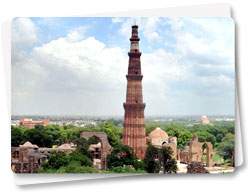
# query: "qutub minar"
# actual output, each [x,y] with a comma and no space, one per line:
[134,134]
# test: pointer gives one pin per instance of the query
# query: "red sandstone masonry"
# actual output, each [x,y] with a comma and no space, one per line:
[134,120]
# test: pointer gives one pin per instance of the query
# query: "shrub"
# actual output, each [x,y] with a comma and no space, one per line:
[82,159]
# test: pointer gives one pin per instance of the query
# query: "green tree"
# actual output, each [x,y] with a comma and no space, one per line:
[82,159]
[169,164]
[174,130]
[112,134]
[83,147]
[151,161]
[71,167]
[60,162]
[184,138]
[124,170]
[16,136]
[219,137]
[204,136]
[38,136]
[122,155]
[69,133]
[56,160]
[225,148]
[75,167]
[157,159]
[93,140]
[53,131]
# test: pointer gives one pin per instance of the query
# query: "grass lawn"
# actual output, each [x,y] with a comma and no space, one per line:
[216,158]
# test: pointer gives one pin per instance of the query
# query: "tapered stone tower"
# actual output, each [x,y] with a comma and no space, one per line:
[134,122]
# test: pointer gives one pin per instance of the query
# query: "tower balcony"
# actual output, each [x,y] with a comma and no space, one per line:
[134,53]
[134,106]
[134,77]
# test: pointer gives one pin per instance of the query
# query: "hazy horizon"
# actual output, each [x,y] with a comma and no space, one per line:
[122,116]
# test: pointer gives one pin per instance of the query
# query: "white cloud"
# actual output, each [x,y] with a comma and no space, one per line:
[205,44]
[87,58]
[76,34]
[82,75]
[75,65]
[24,32]
[161,65]
[148,26]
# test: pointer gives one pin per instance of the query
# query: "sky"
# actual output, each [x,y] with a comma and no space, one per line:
[77,66]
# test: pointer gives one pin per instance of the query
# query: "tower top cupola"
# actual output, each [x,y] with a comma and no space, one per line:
[134,47]
[135,36]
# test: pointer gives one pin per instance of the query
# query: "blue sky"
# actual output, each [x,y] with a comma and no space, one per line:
[78,65]
[54,28]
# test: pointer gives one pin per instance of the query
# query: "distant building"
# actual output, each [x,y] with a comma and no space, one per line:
[205,121]
[31,124]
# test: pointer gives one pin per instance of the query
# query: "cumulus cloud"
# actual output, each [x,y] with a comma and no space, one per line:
[189,71]
[24,32]
[81,67]
[89,60]
[208,49]
[148,26]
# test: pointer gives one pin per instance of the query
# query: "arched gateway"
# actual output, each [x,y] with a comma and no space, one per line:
[105,146]
[197,150]
[206,148]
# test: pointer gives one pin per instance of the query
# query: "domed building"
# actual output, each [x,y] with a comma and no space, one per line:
[159,138]
[204,120]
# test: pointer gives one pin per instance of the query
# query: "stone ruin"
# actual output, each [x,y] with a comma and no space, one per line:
[99,153]
[195,152]
[28,157]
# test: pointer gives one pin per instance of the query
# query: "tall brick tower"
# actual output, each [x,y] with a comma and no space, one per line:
[134,134]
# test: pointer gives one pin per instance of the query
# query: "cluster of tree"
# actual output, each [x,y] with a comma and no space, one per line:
[56,135]
[220,134]
[226,147]
[122,160]
[123,157]
[44,136]
[75,162]
[124,169]
[159,159]
[113,133]
[79,161]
